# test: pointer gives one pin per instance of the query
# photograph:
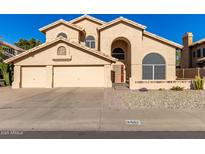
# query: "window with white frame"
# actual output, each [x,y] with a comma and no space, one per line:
[153,67]
[90,41]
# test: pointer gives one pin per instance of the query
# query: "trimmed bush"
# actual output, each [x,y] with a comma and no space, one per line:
[143,89]
[177,88]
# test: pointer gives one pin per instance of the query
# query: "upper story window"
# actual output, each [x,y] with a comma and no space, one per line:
[194,54]
[61,50]
[199,53]
[63,35]
[118,53]
[90,41]
[203,52]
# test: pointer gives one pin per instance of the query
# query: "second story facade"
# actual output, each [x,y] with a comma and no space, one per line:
[193,53]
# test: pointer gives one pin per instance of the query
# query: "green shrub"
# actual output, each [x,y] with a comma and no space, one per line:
[198,83]
[177,88]
[6,70]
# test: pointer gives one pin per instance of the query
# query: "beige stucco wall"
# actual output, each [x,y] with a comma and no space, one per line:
[90,29]
[168,52]
[72,34]
[132,35]
[186,84]
[47,57]
[140,46]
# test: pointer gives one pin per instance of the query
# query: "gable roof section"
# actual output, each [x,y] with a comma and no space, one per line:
[163,39]
[61,21]
[121,19]
[87,17]
[77,45]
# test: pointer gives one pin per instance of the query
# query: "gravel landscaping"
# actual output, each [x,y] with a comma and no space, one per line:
[165,99]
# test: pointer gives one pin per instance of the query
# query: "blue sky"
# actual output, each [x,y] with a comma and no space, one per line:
[14,27]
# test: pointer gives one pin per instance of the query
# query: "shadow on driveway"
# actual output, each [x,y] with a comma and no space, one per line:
[104,135]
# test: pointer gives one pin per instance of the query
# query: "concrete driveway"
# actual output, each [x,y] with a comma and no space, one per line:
[93,109]
[51,109]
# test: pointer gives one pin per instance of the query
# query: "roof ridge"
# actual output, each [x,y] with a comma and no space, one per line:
[163,39]
[89,17]
[56,40]
[61,21]
[122,19]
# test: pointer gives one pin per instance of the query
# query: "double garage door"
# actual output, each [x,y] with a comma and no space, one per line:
[71,76]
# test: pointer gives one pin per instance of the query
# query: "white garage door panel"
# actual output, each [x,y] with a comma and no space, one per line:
[33,77]
[83,76]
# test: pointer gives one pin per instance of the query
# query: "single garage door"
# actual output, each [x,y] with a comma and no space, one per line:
[33,77]
[79,76]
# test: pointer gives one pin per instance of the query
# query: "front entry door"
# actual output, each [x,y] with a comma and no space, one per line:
[118,74]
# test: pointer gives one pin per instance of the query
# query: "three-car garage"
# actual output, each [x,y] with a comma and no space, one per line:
[64,76]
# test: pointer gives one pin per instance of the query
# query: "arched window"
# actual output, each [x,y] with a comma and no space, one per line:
[118,53]
[62,34]
[90,41]
[61,50]
[153,67]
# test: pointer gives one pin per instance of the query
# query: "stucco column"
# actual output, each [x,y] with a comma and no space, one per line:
[17,77]
[107,72]
[170,72]
[49,76]
[136,67]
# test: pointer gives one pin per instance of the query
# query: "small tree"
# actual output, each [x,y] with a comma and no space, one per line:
[5,69]
[199,83]
[27,44]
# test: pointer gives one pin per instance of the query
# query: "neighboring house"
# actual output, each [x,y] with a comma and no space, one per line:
[10,50]
[193,53]
[88,52]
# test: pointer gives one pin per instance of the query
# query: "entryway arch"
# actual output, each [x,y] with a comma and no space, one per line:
[121,70]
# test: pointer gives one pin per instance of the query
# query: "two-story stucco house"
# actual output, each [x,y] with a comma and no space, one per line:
[88,52]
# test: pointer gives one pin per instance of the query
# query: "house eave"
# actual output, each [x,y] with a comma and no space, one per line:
[77,45]
[154,36]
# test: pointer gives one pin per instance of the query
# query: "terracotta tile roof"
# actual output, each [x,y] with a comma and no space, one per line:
[198,42]
[11,46]
[99,53]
